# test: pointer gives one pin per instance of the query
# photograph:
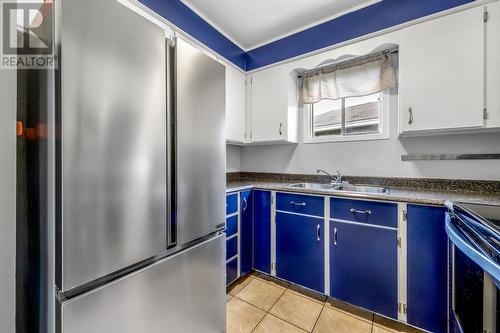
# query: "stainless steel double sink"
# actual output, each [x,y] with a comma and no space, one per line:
[341,188]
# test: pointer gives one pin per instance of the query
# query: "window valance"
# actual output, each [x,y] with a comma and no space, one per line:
[358,77]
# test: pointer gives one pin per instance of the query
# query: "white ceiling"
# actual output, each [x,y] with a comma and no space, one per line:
[252,23]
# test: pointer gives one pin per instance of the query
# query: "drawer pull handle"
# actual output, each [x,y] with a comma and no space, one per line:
[318,233]
[355,211]
[335,236]
[301,204]
[245,206]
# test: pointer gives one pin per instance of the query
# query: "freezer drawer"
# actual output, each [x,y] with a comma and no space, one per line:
[183,293]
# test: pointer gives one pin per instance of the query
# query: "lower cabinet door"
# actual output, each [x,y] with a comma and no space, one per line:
[231,271]
[427,268]
[262,231]
[300,250]
[363,266]
[246,232]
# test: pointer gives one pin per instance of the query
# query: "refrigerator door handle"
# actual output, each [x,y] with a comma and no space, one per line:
[170,137]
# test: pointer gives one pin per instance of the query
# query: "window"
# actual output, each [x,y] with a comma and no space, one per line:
[347,119]
[349,100]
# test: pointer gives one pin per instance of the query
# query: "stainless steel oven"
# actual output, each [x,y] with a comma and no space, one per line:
[474,272]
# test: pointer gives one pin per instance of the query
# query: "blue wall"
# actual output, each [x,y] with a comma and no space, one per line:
[184,18]
[381,15]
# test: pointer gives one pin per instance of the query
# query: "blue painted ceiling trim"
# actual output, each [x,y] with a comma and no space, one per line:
[379,16]
[183,17]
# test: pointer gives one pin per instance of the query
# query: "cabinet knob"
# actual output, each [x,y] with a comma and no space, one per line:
[410,116]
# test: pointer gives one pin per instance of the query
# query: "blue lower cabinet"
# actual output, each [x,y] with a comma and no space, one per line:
[363,266]
[231,247]
[231,271]
[231,225]
[300,250]
[246,233]
[262,231]
[427,268]
[231,203]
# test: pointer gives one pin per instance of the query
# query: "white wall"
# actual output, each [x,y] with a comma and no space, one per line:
[7,199]
[380,157]
[233,158]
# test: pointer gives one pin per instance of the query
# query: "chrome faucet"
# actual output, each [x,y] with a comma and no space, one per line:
[335,180]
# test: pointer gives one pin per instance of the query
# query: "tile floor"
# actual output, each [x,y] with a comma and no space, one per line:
[257,303]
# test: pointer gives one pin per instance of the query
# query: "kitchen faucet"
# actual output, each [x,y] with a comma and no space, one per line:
[335,180]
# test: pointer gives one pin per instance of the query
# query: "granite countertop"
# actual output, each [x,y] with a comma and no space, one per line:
[399,194]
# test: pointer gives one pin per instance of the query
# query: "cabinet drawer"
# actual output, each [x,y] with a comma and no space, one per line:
[231,203]
[231,271]
[370,212]
[231,247]
[231,225]
[298,203]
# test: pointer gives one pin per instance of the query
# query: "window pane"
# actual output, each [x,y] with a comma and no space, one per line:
[327,117]
[362,114]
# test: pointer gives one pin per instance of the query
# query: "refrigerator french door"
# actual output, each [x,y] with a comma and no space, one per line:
[141,176]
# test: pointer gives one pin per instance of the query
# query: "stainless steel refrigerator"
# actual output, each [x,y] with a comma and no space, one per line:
[141,176]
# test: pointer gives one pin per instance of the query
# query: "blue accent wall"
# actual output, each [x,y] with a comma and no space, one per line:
[382,15]
[379,16]
[183,17]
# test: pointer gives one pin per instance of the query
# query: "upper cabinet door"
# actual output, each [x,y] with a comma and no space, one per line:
[271,115]
[235,106]
[442,73]
[493,65]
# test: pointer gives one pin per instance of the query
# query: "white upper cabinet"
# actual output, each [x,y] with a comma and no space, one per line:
[235,106]
[274,106]
[493,65]
[442,74]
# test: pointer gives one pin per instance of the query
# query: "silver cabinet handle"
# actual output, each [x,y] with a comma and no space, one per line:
[245,204]
[318,233]
[355,211]
[410,116]
[281,125]
[335,236]
[302,204]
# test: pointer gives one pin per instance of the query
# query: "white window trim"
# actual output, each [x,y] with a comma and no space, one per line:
[384,134]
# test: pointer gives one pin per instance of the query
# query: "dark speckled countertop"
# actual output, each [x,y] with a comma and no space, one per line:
[429,193]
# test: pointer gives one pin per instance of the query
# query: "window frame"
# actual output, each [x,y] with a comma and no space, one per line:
[384,134]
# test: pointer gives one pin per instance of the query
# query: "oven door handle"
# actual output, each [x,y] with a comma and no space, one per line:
[469,250]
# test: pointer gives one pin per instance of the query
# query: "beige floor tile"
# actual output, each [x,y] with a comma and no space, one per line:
[261,294]
[335,321]
[384,325]
[228,297]
[272,324]
[242,317]
[239,284]
[297,310]
[312,295]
